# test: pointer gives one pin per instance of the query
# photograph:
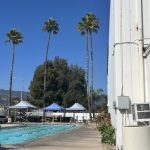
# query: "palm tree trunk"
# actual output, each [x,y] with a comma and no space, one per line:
[91,90]
[45,74]
[87,75]
[11,76]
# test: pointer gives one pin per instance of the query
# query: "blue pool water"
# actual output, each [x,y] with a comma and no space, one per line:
[23,134]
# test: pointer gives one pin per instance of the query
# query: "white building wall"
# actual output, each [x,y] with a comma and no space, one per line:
[128,71]
[146,16]
[147,77]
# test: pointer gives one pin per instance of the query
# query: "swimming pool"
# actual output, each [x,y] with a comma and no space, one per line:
[20,135]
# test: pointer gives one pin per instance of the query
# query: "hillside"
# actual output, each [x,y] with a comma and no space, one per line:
[16,95]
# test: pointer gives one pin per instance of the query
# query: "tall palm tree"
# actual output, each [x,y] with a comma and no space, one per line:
[93,28]
[83,28]
[15,38]
[88,25]
[51,27]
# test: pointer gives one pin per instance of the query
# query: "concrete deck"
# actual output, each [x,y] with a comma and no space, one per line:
[10,125]
[84,138]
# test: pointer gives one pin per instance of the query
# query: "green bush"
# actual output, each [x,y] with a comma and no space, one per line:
[107,132]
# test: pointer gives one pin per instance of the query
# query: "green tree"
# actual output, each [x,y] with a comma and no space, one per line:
[76,94]
[77,87]
[62,80]
[51,27]
[15,38]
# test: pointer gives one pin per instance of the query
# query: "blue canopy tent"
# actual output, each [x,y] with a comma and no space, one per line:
[53,107]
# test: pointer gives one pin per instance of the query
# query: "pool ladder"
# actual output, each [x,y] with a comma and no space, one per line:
[26,121]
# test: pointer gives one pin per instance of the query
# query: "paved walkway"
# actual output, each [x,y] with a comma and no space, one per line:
[84,138]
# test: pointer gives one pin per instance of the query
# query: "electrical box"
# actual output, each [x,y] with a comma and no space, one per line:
[123,102]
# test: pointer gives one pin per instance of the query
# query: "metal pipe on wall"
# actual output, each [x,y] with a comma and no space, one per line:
[142,40]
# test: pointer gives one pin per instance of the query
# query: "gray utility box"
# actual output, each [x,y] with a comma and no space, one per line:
[123,102]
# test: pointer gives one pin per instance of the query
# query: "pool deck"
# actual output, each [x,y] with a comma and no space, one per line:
[10,125]
[83,138]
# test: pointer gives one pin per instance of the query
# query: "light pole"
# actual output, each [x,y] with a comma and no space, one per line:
[21,81]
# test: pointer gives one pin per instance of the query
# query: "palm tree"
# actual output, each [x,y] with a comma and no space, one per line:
[51,27]
[83,28]
[15,38]
[93,27]
[88,25]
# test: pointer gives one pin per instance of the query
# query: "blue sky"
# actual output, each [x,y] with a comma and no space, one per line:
[28,16]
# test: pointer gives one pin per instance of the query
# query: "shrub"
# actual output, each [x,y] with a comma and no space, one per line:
[103,116]
[105,128]
[107,132]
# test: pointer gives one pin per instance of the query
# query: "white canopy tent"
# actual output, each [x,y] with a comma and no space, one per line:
[23,105]
[76,107]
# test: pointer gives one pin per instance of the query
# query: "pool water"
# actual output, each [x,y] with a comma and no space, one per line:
[19,135]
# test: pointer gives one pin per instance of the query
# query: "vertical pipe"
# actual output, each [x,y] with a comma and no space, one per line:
[142,44]
[142,25]
[121,48]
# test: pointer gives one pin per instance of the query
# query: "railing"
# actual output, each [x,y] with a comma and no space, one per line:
[25,121]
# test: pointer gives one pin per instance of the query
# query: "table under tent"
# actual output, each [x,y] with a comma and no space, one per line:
[23,107]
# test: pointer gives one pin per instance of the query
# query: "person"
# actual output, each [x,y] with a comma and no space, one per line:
[76,120]
[71,120]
